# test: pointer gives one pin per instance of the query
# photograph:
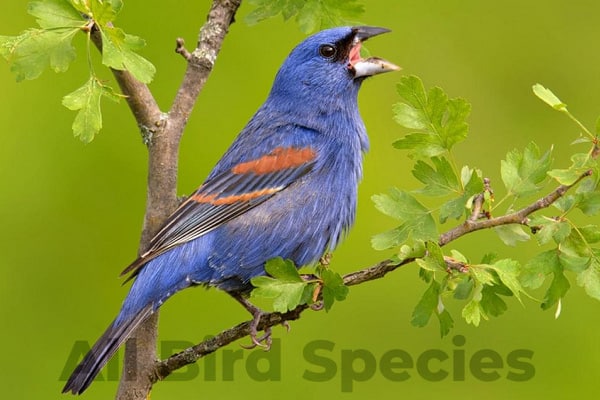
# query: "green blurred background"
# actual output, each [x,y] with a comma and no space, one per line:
[71,213]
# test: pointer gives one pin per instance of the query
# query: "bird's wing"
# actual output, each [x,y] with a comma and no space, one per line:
[227,195]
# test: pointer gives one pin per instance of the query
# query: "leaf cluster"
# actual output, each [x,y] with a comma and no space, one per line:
[287,289]
[437,123]
[50,45]
[310,15]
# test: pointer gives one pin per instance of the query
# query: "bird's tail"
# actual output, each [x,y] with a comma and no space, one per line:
[103,350]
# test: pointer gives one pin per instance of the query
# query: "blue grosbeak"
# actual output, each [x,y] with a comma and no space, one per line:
[287,187]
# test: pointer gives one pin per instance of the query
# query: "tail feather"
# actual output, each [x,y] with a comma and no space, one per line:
[103,350]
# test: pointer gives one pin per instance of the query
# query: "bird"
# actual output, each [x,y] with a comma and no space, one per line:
[286,187]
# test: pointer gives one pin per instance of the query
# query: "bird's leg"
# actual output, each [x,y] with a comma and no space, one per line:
[257,313]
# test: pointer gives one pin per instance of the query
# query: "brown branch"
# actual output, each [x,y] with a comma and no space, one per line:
[517,217]
[190,355]
[162,134]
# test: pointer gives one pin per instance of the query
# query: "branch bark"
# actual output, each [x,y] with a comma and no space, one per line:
[190,355]
[162,134]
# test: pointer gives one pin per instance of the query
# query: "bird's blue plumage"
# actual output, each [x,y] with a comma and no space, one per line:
[287,187]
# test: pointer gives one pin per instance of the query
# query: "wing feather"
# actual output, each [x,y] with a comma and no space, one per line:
[226,196]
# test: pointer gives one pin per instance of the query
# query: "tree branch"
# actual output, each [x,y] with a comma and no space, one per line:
[162,134]
[190,355]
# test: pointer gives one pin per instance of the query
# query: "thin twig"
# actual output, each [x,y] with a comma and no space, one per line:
[180,49]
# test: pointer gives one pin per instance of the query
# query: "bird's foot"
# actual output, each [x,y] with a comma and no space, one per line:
[265,339]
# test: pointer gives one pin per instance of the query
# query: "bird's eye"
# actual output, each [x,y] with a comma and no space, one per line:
[327,51]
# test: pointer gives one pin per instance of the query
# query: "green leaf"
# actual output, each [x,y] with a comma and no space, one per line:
[508,271]
[481,275]
[104,12]
[590,233]
[421,145]
[283,270]
[36,49]
[439,180]
[491,303]
[557,290]
[590,203]
[589,278]
[417,220]
[455,208]
[581,163]
[441,122]
[446,322]
[522,172]
[86,100]
[434,259]
[118,53]
[472,312]
[548,97]
[333,288]
[426,306]
[417,250]
[310,14]
[550,229]
[511,234]
[574,253]
[538,268]
[56,14]
[464,289]
[286,287]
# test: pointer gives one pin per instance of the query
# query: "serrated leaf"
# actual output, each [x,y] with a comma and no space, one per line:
[266,9]
[511,234]
[574,253]
[589,278]
[104,12]
[457,255]
[439,179]
[548,97]
[286,287]
[590,233]
[52,14]
[522,172]
[557,290]
[283,270]
[481,275]
[434,258]
[441,122]
[471,312]
[508,271]
[417,220]
[36,49]
[580,164]
[457,207]
[310,14]
[550,229]
[538,268]
[118,53]
[589,203]
[491,303]
[426,306]
[464,289]
[333,288]
[86,100]
[446,322]
[420,145]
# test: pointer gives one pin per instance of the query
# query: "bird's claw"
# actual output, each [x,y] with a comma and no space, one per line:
[263,341]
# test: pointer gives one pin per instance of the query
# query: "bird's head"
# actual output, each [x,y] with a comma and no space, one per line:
[328,65]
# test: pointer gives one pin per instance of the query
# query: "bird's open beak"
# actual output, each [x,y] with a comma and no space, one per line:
[370,66]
